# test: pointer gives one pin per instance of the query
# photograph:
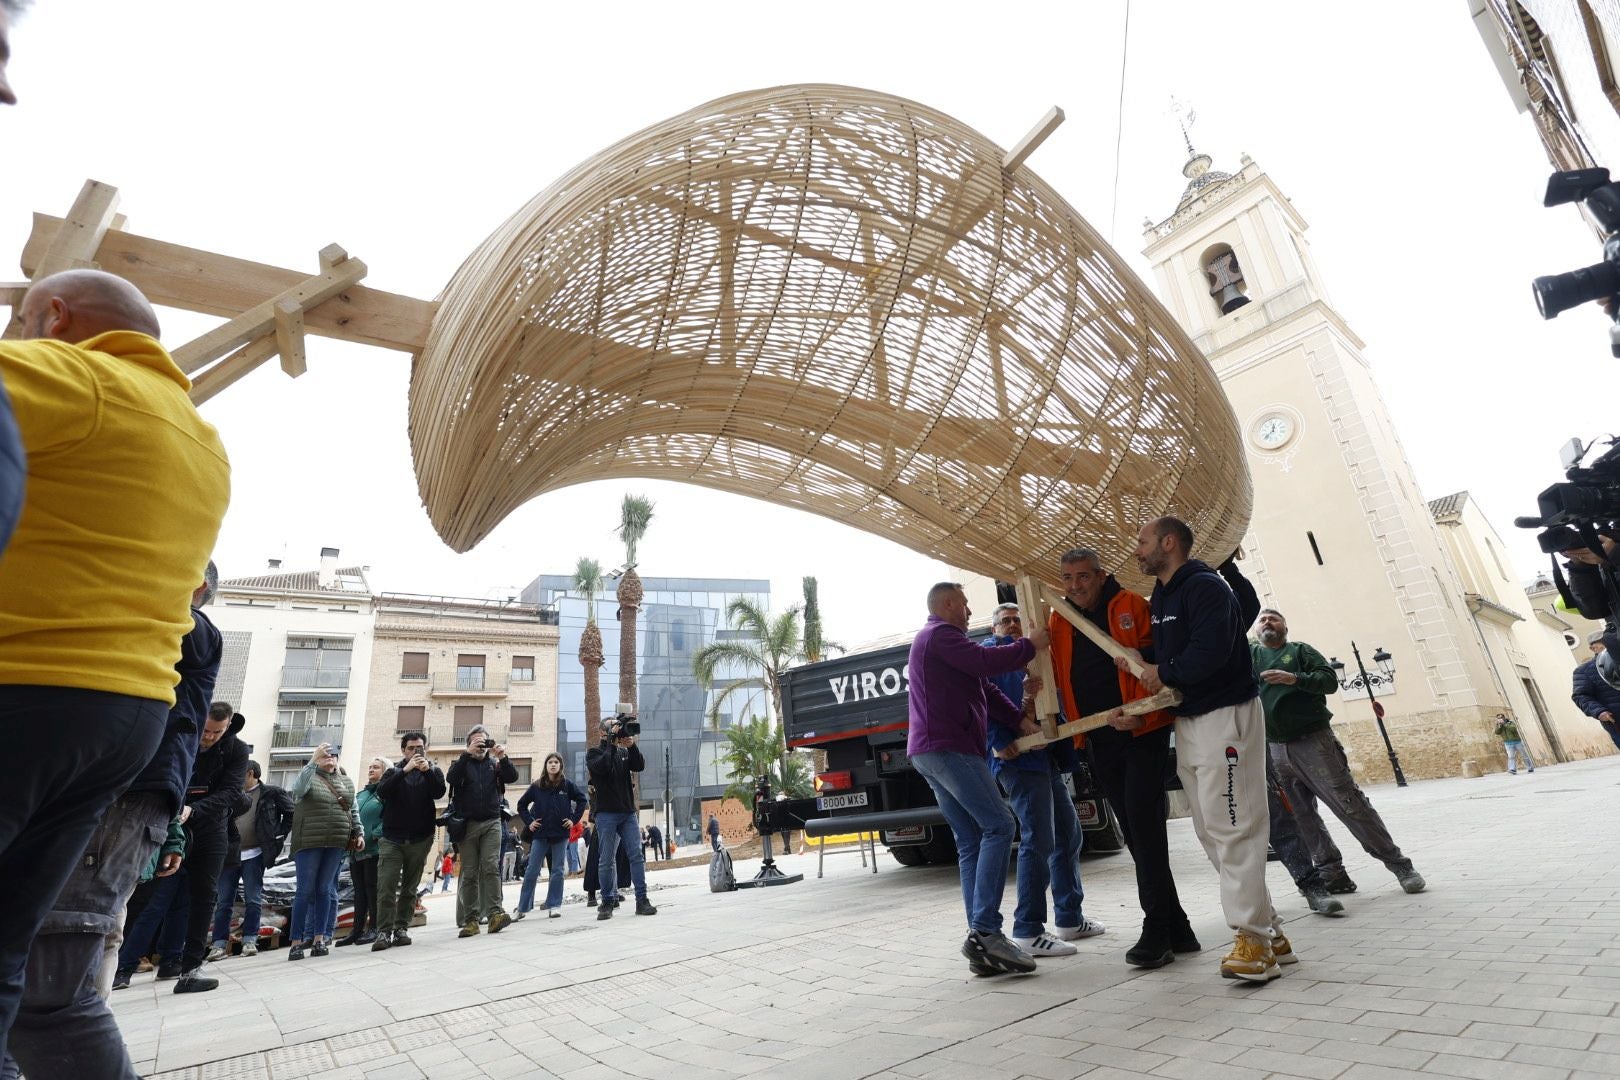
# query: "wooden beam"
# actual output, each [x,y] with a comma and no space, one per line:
[261,318]
[1047,709]
[75,244]
[1141,707]
[290,336]
[232,368]
[191,279]
[1093,634]
[1037,135]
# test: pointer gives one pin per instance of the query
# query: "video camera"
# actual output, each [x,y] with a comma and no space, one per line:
[1578,514]
[1557,293]
[624,723]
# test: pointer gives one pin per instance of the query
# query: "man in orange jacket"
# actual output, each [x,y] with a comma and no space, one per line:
[1131,762]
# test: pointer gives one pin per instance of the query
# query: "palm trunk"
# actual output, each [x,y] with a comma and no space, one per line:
[591,660]
[630,594]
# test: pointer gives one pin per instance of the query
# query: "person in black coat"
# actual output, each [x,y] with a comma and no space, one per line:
[1595,697]
[548,809]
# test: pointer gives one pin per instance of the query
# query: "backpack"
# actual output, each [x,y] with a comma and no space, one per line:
[721,877]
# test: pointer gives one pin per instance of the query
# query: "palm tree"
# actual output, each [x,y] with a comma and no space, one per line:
[634,514]
[588,579]
[755,749]
[815,646]
[772,645]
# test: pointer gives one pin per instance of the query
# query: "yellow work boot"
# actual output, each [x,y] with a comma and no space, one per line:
[1282,950]
[1251,958]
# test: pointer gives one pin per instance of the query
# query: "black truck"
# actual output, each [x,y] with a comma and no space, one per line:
[853,709]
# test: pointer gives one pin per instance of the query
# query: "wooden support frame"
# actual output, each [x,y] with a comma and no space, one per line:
[1141,707]
[76,241]
[1047,709]
[1029,143]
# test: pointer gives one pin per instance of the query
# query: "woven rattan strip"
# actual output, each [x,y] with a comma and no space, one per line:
[836,300]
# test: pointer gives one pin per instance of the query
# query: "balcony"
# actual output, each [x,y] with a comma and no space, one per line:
[469,684]
[284,736]
[442,737]
[310,678]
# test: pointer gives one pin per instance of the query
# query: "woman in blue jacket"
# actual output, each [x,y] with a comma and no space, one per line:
[548,809]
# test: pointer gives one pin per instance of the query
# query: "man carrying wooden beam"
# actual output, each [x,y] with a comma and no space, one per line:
[1049,836]
[127,487]
[1132,754]
[951,701]
[1200,649]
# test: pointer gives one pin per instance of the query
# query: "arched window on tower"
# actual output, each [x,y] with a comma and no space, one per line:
[1225,277]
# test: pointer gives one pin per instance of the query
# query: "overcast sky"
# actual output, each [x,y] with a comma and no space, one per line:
[407,132]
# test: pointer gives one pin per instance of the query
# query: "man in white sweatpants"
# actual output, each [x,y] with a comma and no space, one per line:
[1199,648]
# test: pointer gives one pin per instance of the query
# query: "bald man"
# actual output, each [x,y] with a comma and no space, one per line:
[126,488]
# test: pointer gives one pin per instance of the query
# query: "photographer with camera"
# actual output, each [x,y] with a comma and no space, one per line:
[611,763]
[478,782]
[409,791]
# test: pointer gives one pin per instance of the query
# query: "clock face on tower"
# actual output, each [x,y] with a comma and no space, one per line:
[1273,430]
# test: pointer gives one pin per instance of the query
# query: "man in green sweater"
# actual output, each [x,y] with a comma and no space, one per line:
[1295,680]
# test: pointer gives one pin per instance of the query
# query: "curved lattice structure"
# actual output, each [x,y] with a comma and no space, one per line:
[837,300]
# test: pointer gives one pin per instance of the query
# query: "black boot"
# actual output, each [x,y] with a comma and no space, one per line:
[1152,950]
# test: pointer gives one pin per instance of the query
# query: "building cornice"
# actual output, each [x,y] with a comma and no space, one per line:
[1289,335]
[438,631]
[1491,611]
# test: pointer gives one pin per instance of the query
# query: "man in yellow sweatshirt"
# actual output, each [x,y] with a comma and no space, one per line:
[126,489]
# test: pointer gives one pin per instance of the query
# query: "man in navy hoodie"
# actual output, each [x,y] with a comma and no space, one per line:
[1201,650]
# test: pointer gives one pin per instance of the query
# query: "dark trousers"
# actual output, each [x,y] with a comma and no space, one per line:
[593,862]
[64,1027]
[1612,728]
[1285,838]
[1131,770]
[81,749]
[206,849]
[363,873]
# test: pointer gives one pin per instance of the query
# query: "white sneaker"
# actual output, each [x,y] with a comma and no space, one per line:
[1087,928]
[1042,946]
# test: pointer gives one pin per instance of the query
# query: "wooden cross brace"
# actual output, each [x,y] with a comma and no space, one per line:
[1035,598]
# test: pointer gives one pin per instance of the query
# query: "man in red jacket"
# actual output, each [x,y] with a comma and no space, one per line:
[1131,762]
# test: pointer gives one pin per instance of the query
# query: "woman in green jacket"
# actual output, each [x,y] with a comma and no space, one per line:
[363,863]
[325,825]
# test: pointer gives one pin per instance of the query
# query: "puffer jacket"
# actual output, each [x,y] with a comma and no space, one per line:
[370,807]
[321,819]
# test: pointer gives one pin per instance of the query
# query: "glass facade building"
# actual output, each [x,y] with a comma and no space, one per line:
[678,617]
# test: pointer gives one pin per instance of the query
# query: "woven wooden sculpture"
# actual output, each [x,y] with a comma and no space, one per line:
[836,300]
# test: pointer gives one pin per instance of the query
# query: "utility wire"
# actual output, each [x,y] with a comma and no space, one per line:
[1119,126]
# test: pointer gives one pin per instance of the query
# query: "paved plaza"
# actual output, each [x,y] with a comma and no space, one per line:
[1508,966]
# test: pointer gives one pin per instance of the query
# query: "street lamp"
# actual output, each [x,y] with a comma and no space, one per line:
[1368,681]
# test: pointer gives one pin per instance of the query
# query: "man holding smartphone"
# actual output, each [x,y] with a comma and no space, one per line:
[409,791]
[478,782]
[611,764]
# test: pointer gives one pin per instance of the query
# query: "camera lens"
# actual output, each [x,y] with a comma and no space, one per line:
[1557,293]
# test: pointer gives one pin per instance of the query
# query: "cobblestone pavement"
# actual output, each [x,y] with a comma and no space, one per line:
[1508,966]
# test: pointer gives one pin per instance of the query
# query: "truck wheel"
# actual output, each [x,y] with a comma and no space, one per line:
[941,846]
[910,855]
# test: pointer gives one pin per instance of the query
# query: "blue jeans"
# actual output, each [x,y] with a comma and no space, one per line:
[573,857]
[1517,749]
[983,827]
[1049,842]
[251,874]
[163,917]
[312,903]
[613,829]
[542,850]
[332,904]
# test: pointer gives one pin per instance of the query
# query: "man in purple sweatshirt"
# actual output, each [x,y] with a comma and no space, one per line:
[951,700]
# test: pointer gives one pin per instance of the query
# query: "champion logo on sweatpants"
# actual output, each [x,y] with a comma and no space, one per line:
[1231,784]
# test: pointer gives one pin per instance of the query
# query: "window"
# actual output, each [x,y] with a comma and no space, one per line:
[467,718]
[522,765]
[523,669]
[470,671]
[522,718]
[317,662]
[411,718]
[415,666]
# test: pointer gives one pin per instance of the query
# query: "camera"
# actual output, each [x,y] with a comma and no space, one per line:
[487,744]
[1578,514]
[1557,293]
[624,723]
